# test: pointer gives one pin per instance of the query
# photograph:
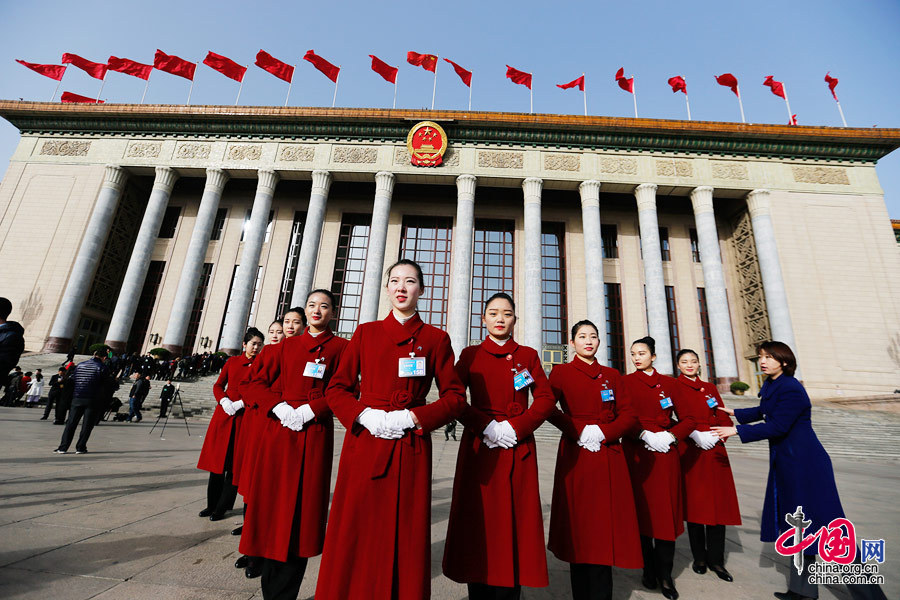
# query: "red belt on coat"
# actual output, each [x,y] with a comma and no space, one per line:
[313,394]
[396,400]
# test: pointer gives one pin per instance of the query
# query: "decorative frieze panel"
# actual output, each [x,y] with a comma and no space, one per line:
[501,159]
[562,162]
[65,148]
[354,154]
[143,150]
[729,170]
[297,153]
[674,168]
[193,151]
[827,175]
[244,152]
[618,165]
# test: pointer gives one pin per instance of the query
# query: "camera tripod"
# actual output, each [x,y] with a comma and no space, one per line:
[170,409]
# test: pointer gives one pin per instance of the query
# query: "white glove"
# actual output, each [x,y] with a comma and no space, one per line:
[300,416]
[400,419]
[375,421]
[705,440]
[237,405]
[284,412]
[667,438]
[590,438]
[508,437]
[654,441]
[227,406]
[491,435]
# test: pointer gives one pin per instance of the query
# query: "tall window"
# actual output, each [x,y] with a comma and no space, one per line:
[615,329]
[492,268]
[610,241]
[268,225]
[169,222]
[290,265]
[251,318]
[218,225]
[349,269]
[197,309]
[664,243]
[707,338]
[695,246]
[145,305]
[673,322]
[553,293]
[426,240]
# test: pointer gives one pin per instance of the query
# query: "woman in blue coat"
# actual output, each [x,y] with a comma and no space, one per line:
[800,471]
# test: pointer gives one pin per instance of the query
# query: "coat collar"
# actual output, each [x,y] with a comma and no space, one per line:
[593,370]
[770,385]
[697,384]
[310,343]
[648,380]
[398,333]
[492,347]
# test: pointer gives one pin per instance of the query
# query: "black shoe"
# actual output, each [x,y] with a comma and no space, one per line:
[81,451]
[721,573]
[667,587]
[216,516]
[649,581]
[698,567]
[43,418]
[59,451]
[205,512]
[254,569]
[242,562]
[789,595]
[237,530]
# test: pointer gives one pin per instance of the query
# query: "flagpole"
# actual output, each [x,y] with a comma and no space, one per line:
[470,94]
[336,79]
[59,83]
[434,87]
[686,101]
[290,83]
[190,91]
[147,85]
[584,93]
[240,87]
[788,104]
[840,110]
[740,103]
[396,77]
[531,96]
[102,83]
[634,97]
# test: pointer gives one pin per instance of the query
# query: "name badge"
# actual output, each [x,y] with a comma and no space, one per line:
[665,402]
[522,379]
[414,366]
[607,395]
[711,402]
[314,370]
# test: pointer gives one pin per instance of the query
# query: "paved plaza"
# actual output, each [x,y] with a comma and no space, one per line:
[121,522]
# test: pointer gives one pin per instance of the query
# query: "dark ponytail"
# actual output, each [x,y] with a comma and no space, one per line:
[583,323]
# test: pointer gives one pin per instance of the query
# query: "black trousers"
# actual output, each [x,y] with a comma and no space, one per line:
[707,543]
[481,591]
[75,415]
[62,409]
[281,580]
[591,582]
[220,492]
[50,401]
[659,556]
[163,407]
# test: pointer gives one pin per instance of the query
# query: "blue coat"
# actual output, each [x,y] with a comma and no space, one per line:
[800,471]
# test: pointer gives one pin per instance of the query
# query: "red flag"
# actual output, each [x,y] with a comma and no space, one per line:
[52,71]
[729,81]
[281,70]
[776,86]
[678,84]
[94,69]
[70,97]
[129,67]
[225,66]
[174,65]
[517,76]
[466,76]
[330,71]
[385,70]
[832,83]
[575,82]
[625,84]
[426,61]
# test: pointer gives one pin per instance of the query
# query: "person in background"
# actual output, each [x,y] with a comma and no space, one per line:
[165,396]
[12,386]
[89,378]
[12,339]
[54,392]
[35,389]
[136,397]
[24,385]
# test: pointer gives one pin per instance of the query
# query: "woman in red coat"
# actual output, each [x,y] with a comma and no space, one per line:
[217,455]
[285,522]
[655,467]
[495,537]
[378,542]
[593,523]
[710,500]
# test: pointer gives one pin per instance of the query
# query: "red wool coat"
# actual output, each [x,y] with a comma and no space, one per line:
[593,519]
[292,472]
[709,494]
[496,531]
[378,542]
[655,476]
[252,427]
[223,428]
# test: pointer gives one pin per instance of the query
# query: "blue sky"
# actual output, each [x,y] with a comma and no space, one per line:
[797,42]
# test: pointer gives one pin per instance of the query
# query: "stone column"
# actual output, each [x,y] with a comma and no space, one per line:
[654,283]
[714,283]
[593,262]
[531,310]
[384,187]
[135,275]
[460,301]
[759,205]
[85,266]
[238,309]
[312,236]
[193,261]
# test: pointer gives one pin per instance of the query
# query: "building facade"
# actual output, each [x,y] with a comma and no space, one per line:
[176,226]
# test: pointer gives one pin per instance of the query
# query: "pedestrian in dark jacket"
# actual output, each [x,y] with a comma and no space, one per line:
[12,340]
[136,397]
[89,378]
[12,386]
[54,393]
[165,396]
